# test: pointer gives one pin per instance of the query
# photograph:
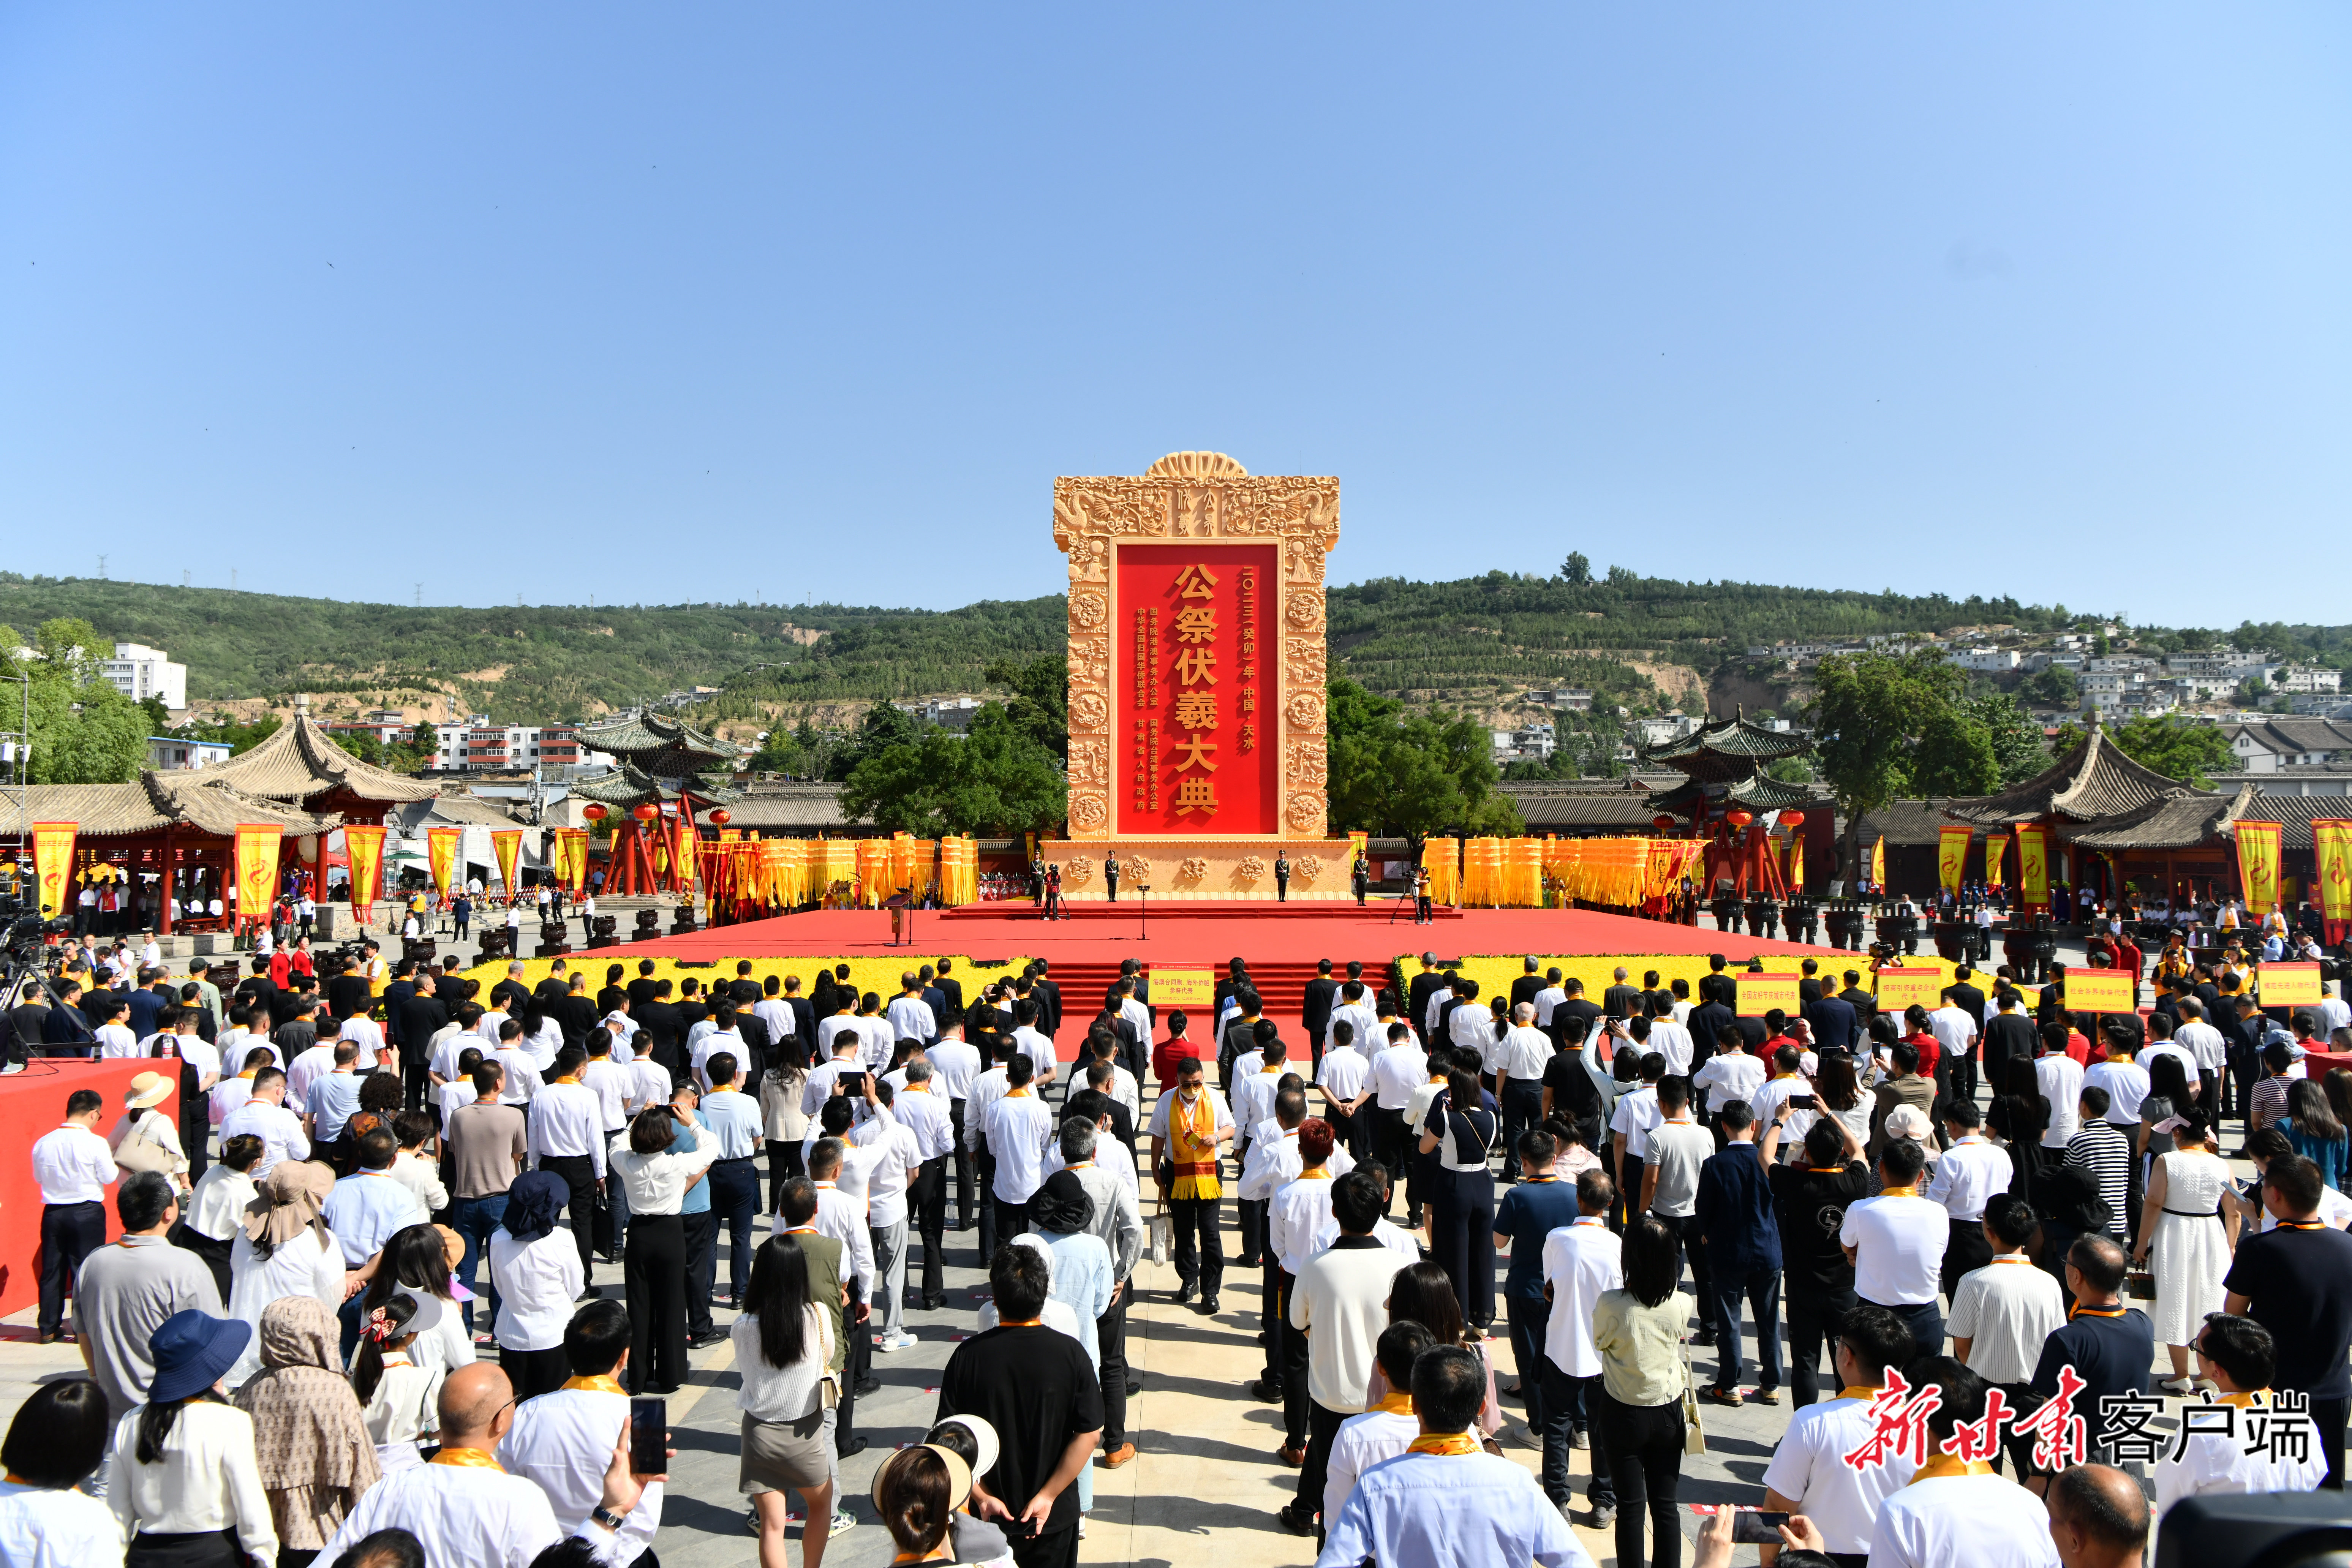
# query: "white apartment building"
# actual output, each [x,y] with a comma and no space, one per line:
[2295,677]
[140,672]
[170,754]
[1987,658]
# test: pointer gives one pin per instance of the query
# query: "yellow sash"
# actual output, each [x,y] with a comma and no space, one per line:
[600,1383]
[1943,1465]
[1193,1131]
[472,1458]
[1444,1443]
[1395,1405]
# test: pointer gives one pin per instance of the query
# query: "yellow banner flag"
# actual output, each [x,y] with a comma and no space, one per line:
[2034,865]
[505,843]
[1795,863]
[2258,865]
[1878,863]
[441,852]
[2331,842]
[255,869]
[53,846]
[1951,858]
[1994,845]
[364,848]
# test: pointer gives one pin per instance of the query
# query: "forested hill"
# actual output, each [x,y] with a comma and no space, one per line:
[1475,642]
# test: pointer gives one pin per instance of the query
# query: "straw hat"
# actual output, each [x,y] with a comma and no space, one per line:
[148,1088]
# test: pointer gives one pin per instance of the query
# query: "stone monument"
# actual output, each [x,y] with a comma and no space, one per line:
[1196,651]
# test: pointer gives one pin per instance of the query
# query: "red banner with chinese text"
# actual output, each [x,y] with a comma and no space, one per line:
[2258,864]
[1199,697]
[2033,866]
[255,869]
[364,847]
[53,846]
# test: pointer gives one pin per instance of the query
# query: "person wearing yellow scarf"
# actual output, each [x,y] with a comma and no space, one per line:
[1955,1509]
[1189,1127]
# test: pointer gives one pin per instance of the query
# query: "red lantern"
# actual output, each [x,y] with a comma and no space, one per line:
[1738,817]
[1662,823]
[721,818]
[646,812]
[1792,820]
[593,811]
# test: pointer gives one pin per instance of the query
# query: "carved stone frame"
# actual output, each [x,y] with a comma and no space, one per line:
[1199,495]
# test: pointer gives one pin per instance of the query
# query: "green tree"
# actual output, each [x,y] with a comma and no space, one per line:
[884,726]
[1411,775]
[2178,747]
[2017,747]
[1874,713]
[1955,755]
[83,730]
[993,780]
[1040,708]
[2053,687]
[1576,569]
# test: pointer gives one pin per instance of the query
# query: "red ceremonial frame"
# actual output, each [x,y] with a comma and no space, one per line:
[34,1102]
[1242,655]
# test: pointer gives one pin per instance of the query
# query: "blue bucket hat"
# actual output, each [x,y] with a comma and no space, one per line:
[192,1351]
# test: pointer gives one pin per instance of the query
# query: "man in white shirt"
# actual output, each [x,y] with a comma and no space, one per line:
[909,1015]
[1470,1027]
[567,1137]
[1549,997]
[1386,1430]
[73,1167]
[898,1163]
[1018,1129]
[922,1109]
[1028,1041]
[368,1034]
[1672,1041]
[307,1068]
[841,1215]
[1256,1076]
[115,1038]
[1678,1146]
[563,1440]
[2003,1312]
[1340,1304]
[2205,1045]
[1956,1032]
[1629,1125]
[1401,1068]
[874,1029]
[471,1513]
[1968,1176]
[1520,1058]
[1190,1125]
[1953,1511]
[1809,1474]
[2162,1043]
[1896,1242]
[264,1116]
[1580,1260]
[1730,1073]
[2239,1357]
[723,1037]
[2059,1078]
[522,1079]
[1344,1079]
[1353,1012]
[2126,1082]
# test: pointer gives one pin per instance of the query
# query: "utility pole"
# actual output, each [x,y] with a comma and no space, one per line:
[102,568]
[420,595]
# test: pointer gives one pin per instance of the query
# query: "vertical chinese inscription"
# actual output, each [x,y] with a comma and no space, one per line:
[1245,705]
[1196,699]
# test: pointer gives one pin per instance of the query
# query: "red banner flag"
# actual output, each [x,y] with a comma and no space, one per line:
[364,848]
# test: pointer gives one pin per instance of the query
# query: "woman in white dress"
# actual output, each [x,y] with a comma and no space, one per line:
[418,1259]
[2188,1230]
[283,1249]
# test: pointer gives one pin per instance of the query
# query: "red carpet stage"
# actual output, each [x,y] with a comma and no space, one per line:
[1281,943]
[33,1102]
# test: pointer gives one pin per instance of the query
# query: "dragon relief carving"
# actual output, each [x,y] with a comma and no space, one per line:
[1088,608]
[1306,762]
[1090,762]
[1089,663]
[1306,867]
[1191,869]
[1090,712]
[1089,809]
[1078,868]
[1305,813]
[1136,868]
[1305,658]
[1304,608]
[1304,709]
[1249,868]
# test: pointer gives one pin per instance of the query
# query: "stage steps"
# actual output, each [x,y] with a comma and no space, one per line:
[1282,987]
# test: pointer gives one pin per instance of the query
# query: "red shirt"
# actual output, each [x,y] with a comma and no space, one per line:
[1930,1053]
[2078,1047]
[1168,1053]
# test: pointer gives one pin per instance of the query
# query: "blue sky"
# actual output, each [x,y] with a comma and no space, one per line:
[758,301]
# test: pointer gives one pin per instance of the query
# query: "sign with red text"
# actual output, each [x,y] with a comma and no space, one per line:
[1899,988]
[1183,987]
[1198,689]
[2289,984]
[2097,991]
[1759,993]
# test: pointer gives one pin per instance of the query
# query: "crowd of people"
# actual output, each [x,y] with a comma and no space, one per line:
[351,1313]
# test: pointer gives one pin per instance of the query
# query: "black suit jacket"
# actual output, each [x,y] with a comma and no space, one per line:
[1051,996]
[1707,1020]
[348,995]
[804,1021]
[2009,1034]
[1524,987]
[1969,1000]
[641,991]
[1865,1006]
[1315,1011]
[1416,995]
[1618,1000]
[420,1018]
[663,1029]
[395,997]
[1835,1026]
[952,989]
[577,1015]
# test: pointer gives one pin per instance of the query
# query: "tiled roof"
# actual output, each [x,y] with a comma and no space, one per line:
[1546,805]
[302,759]
[2293,813]
[157,801]
[810,807]
[665,748]
[1760,793]
[633,785]
[2175,824]
[2296,736]
[1705,752]
[2093,781]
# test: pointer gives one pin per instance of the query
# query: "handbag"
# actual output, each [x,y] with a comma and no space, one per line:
[1693,1429]
[1163,1236]
[141,1152]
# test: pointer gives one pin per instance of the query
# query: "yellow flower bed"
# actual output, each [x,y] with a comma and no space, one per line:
[879,975]
[1495,971]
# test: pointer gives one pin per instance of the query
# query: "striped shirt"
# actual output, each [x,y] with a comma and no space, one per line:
[2267,1104]
[2102,1151]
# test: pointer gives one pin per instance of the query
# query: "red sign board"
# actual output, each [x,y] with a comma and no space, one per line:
[1199,699]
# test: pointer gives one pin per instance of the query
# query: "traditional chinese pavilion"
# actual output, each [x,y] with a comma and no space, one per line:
[1727,794]
[181,828]
[652,800]
[2110,818]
